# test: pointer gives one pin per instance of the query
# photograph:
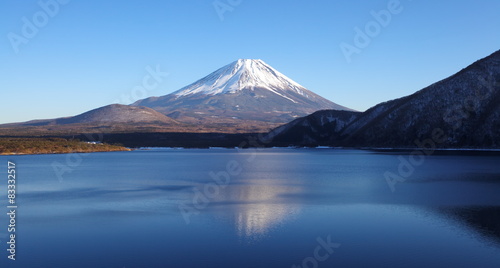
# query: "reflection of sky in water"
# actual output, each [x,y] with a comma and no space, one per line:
[447,214]
[256,198]
[257,208]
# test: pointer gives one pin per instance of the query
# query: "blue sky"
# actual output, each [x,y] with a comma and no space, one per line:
[87,54]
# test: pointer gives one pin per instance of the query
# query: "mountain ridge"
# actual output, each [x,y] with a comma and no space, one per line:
[109,114]
[241,74]
[242,90]
[464,106]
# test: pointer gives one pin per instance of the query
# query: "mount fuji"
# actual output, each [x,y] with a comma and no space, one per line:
[246,95]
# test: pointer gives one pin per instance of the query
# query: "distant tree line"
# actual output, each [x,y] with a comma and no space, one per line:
[52,146]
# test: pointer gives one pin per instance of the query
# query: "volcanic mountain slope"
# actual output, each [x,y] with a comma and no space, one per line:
[245,92]
[113,117]
[458,112]
[111,114]
[321,127]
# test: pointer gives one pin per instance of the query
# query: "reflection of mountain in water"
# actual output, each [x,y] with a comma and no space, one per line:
[258,208]
[484,220]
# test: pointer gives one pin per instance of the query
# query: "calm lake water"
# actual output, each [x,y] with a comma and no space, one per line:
[247,208]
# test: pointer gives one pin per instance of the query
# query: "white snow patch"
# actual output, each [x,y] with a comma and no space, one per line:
[244,74]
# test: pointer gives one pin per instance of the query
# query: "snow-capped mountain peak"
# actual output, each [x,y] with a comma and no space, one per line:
[243,74]
[245,94]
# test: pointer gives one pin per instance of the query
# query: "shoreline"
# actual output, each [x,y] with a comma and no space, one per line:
[401,150]
[76,152]
[36,146]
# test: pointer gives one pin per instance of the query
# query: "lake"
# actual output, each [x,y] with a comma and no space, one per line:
[254,208]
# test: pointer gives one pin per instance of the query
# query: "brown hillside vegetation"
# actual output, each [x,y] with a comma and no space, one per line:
[10,146]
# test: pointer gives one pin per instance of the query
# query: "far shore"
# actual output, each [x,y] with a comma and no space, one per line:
[34,146]
[74,152]
[12,146]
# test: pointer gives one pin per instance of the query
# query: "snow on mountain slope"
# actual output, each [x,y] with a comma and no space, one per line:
[244,74]
[461,111]
[243,93]
[319,128]
[465,107]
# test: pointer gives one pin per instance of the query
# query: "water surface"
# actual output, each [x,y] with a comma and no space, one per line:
[254,208]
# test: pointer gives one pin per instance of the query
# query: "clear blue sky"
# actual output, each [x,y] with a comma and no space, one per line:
[90,53]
